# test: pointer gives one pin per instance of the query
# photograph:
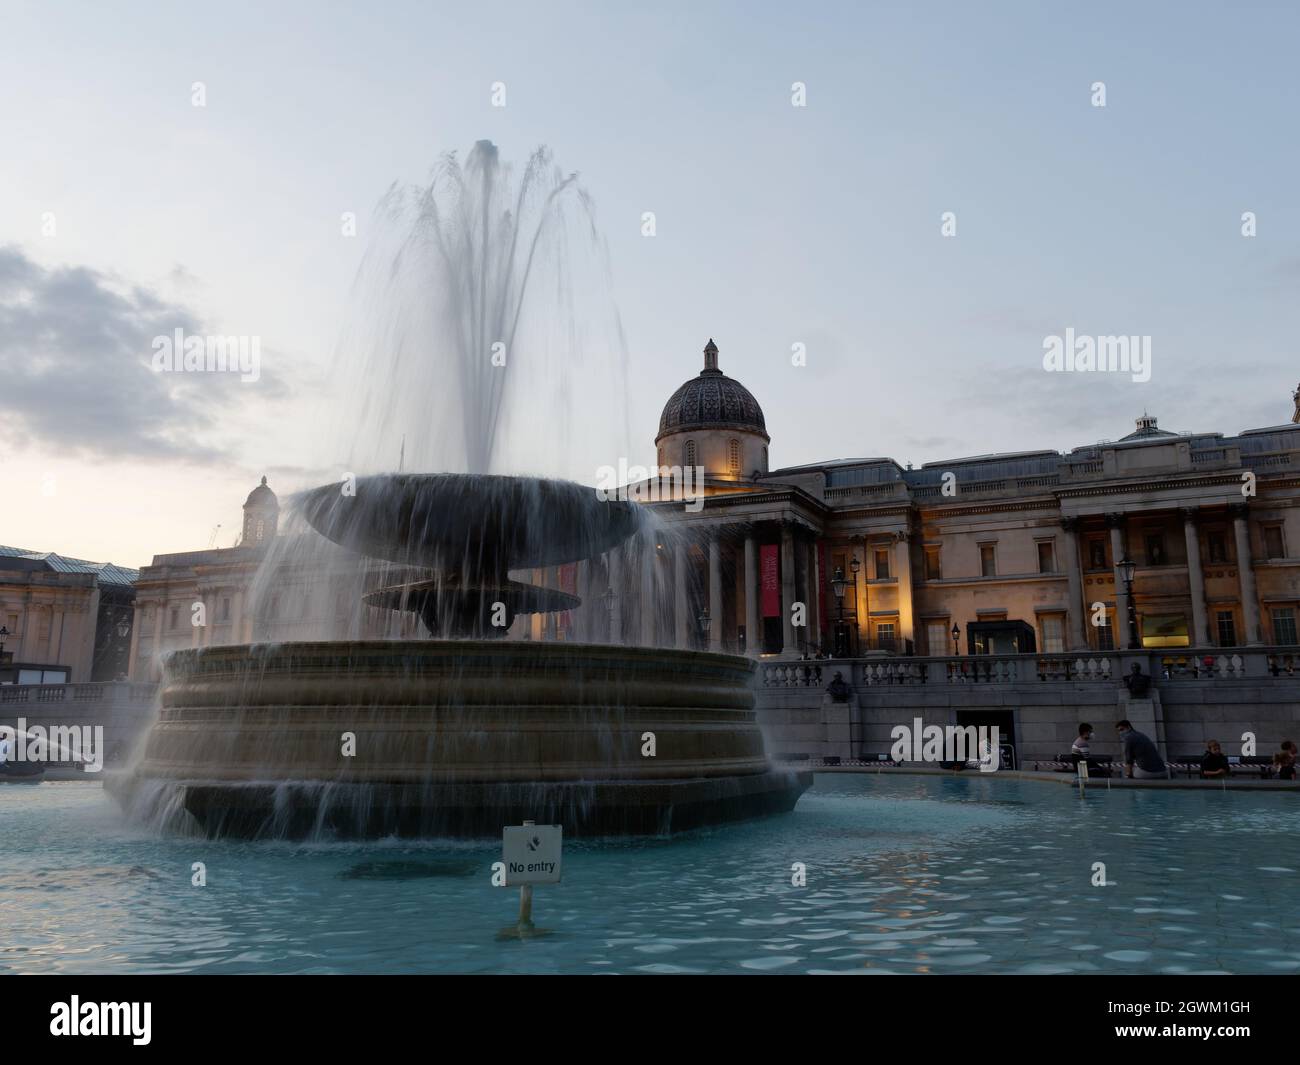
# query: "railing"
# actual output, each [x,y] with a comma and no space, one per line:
[112,691]
[1189,665]
[793,675]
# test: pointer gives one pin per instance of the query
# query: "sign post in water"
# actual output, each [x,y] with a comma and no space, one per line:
[531,853]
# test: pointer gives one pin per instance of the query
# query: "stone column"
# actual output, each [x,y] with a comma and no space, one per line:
[137,617]
[803,594]
[160,616]
[681,602]
[789,643]
[860,549]
[1076,608]
[813,592]
[1115,523]
[1246,574]
[903,564]
[753,627]
[1195,578]
[716,611]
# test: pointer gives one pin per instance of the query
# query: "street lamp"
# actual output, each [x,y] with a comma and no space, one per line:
[1126,568]
[956,635]
[703,621]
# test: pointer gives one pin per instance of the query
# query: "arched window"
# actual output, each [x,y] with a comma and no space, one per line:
[690,453]
[765,460]
[733,456]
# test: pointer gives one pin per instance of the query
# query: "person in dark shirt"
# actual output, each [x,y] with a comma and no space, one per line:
[1214,763]
[1141,759]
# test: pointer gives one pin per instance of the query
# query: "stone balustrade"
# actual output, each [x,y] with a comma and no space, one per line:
[1211,664]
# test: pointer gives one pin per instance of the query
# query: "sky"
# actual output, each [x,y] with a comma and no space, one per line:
[126,212]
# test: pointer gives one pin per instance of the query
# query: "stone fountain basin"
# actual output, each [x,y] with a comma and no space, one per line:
[459,737]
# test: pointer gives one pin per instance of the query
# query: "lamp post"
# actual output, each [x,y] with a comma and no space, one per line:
[1127,567]
[838,585]
[956,635]
[703,621]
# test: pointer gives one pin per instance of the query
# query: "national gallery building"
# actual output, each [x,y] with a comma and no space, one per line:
[992,554]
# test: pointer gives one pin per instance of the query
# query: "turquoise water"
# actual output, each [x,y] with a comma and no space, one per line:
[905,874]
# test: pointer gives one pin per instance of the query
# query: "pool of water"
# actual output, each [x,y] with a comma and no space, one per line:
[905,874]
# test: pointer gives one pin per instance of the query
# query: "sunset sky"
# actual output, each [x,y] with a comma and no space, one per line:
[127,212]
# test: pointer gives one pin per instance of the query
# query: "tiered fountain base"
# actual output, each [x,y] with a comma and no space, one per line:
[458,738]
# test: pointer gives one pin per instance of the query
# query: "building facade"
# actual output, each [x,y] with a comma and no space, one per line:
[63,619]
[979,555]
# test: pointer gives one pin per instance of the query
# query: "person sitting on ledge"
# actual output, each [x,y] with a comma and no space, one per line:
[1214,763]
[1137,682]
[1080,748]
[1284,761]
[1141,759]
[839,691]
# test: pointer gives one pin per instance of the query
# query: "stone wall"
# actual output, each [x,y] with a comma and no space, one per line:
[1045,703]
[123,709]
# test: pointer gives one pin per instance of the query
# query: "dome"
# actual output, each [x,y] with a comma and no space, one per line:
[262,496]
[1146,427]
[712,401]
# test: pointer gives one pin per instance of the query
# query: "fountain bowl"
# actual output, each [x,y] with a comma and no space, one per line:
[440,738]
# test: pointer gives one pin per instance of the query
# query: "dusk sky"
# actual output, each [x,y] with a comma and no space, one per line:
[126,212]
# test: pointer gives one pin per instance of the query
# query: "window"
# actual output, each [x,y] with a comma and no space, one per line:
[765,460]
[933,571]
[273,608]
[261,530]
[174,620]
[1273,546]
[1097,553]
[937,637]
[1105,633]
[42,676]
[690,453]
[1046,556]
[225,608]
[1053,633]
[11,623]
[1156,549]
[1164,630]
[885,637]
[988,561]
[733,456]
[1218,546]
[1284,624]
[882,563]
[1227,628]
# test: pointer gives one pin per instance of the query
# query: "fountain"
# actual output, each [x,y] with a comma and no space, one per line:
[467,731]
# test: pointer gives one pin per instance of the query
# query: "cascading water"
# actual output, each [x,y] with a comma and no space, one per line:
[356,723]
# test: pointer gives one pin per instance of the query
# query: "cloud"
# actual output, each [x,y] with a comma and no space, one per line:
[75,359]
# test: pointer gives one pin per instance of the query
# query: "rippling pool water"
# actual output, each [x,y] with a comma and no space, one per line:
[905,874]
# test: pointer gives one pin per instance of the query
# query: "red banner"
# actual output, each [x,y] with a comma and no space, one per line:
[771,582]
